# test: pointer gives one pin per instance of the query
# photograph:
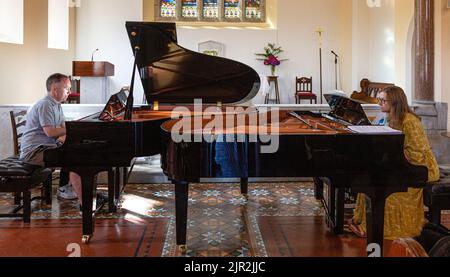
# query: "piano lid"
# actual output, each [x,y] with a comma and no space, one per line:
[346,109]
[173,74]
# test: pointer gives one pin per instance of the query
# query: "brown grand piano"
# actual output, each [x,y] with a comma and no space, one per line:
[170,75]
[309,145]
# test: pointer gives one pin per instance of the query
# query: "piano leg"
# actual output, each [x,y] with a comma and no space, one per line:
[120,183]
[181,209]
[332,204]
[88,186]
[244,186]
[339,211]
[87,194]
[125,176]
[318,188]
[375,203]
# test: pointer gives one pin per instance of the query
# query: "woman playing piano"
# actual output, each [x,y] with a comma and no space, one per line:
[404,212]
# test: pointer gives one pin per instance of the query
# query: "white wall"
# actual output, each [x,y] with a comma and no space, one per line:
[33,61]
[374,42]
[296,33]
[297,25]
[101,24]
[363,37]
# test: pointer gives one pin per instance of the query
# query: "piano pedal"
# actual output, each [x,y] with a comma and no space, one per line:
[100,201]
[183,249]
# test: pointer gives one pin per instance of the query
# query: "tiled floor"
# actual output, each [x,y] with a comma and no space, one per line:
[278,219]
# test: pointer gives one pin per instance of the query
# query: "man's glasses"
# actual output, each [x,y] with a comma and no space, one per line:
[382,101]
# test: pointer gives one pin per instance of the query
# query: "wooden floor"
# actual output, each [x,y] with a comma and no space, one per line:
[278,220]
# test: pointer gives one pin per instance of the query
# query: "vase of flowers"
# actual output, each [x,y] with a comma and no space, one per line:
[270,57]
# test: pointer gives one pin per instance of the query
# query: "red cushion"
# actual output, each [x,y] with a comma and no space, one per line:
[74,95]
[305,94]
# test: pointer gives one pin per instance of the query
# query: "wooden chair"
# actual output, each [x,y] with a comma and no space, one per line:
[303,90]
[20,177]
[73,98]
[369,91]
[18,122]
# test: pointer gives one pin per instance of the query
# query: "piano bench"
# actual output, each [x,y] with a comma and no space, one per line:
[18,176]
[436,196]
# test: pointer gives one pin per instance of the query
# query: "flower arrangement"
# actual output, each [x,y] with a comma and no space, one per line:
[270,56]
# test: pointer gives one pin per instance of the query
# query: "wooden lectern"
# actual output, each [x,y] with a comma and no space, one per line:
[94,83]
[92,69]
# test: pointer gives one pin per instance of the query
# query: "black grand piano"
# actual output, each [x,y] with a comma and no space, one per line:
[170,75]
[307,145]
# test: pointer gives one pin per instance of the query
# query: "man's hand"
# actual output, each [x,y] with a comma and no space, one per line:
[62,139]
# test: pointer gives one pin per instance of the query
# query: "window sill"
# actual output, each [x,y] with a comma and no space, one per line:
[225,25]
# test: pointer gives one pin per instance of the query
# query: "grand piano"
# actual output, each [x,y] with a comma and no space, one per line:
[306,144]
[170,75]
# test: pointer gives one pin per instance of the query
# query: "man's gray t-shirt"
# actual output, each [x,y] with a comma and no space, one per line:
[47,112]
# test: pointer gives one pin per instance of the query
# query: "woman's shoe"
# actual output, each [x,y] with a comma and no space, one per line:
[356,229]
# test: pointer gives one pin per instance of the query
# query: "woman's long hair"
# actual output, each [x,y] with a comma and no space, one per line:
[399,106]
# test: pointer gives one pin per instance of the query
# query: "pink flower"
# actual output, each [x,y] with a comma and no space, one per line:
[273,60]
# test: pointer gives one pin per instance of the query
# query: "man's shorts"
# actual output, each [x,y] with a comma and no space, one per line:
[37,155]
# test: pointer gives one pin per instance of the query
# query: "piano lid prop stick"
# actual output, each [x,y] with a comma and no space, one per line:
[301,119]
[130,99]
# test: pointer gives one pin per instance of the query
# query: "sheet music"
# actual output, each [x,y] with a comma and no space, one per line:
[373,129]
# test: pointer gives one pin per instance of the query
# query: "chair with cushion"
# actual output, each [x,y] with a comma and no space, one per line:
[73,98]
[436,196]
[303,90]
[18,122]
[20,177]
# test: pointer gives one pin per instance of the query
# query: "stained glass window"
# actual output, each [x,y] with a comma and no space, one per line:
[189,8]
[168,8]
[253,9]
[232,9]
[210,9]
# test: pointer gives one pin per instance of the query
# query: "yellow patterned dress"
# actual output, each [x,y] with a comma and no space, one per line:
[404,212]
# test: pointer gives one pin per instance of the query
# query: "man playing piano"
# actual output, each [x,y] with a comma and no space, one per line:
[45,129]
[404,212]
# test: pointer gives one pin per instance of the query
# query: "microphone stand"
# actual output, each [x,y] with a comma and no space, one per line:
[320,32]
[130,98]
[335,69]
[92,56]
